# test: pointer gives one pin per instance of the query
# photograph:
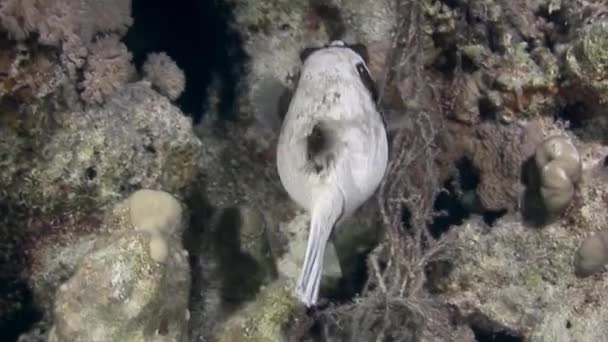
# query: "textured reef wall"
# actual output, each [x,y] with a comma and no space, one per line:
[122,220]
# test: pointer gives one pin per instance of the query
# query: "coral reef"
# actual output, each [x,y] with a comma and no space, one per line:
[497,153]
[473,92]
[559,166]
[263,320]
[519,281]
[475,81]
[592,256]
[70,28]
[164,74]
[77,136]
[122,290]
[138,139]
[587,64]
[65,20]
[107,70]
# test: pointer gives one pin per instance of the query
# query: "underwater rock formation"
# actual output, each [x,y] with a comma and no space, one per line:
[134,284]
[516,280]
[80,129]
[138,139]
[78,132]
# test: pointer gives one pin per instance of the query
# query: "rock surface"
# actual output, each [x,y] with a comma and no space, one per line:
[521,281]
[78,134]
[120,293]
[62,166]
[138,139]
[122,290]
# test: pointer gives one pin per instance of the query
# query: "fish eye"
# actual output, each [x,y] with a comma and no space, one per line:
[367,80]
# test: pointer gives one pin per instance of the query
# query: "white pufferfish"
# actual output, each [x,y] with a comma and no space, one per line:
[332,151]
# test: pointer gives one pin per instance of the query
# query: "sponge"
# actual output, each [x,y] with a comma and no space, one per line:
[154,211]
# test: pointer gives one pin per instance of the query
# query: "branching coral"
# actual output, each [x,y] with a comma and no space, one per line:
[107,70]
[72,27]
[165,75]
[59,21]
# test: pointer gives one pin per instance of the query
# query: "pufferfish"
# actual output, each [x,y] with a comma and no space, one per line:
[332,152]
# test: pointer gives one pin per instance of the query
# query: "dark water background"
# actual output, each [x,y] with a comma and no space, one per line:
[200,36]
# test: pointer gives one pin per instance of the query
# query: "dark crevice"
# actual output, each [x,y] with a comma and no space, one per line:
[22,319]
[244,282]
[406,218]
[331,17]
[450,209]
[468,177]
[574,114]
[459,200]
[452,3]
[494,33]
[150,149]
[559,17]
[469,180]
[468,65]
[487,109]
[482,335]
[533,211]
[449,58]
[18,311]
[353,256]
[491,216]
[436,274]
[352,283]
[449,203]
[486,330]
[90,173]
[200,38]
[531,44]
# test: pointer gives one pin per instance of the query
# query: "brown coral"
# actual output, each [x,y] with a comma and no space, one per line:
[498,152]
